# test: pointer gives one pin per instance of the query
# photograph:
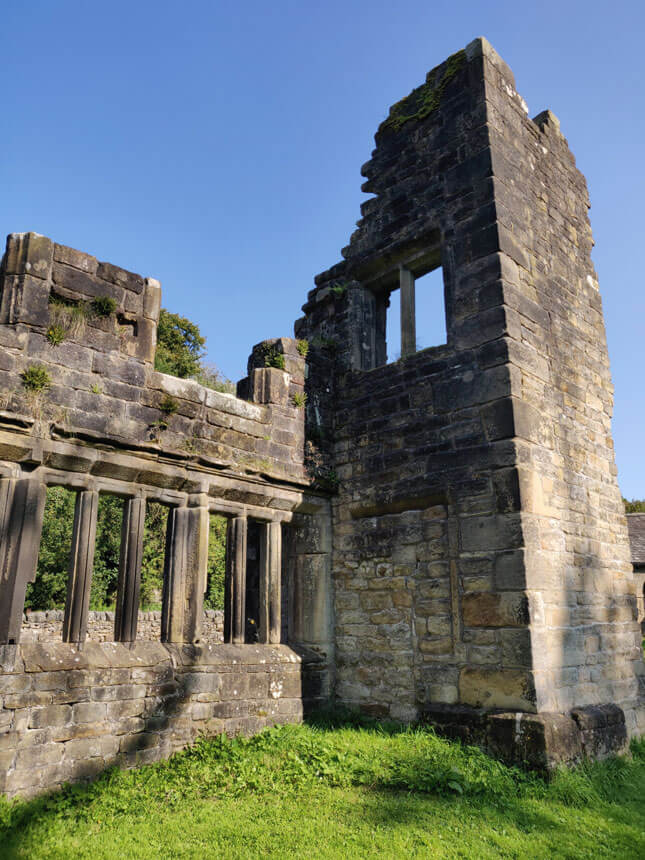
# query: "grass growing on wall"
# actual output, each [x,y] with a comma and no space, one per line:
[337,789]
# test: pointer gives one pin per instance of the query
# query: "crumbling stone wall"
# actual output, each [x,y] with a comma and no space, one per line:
[81,406]
[480,553]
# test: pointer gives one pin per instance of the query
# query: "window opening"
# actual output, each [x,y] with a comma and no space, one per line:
[430,310]
[393,327]
[416,316]
[105,573]
[49,588]
[214,596]
[153,557]
[288,548]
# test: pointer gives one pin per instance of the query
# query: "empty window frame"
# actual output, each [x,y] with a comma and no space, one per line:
[415,313]
[49,588]
[253,581]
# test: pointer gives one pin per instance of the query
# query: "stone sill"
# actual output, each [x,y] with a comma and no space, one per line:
[63,656]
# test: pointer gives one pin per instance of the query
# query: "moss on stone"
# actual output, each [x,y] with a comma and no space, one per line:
[426,98]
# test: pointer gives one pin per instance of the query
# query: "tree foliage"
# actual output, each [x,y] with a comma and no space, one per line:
[636,506]
[180,346]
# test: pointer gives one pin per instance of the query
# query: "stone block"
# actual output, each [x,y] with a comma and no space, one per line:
[485,609]
[28,254]
[55,715]
[538,741]
[603,730]
[269,385]
[77,259]
[88,712]
[497,688]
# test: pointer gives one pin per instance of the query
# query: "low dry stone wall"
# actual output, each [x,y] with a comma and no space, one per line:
[47,626]
[66,715]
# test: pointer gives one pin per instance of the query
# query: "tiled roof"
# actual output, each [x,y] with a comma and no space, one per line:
[636,526]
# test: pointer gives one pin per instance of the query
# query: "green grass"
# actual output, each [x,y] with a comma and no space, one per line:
[336,789]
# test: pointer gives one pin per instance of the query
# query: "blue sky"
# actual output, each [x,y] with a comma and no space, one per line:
[217,145]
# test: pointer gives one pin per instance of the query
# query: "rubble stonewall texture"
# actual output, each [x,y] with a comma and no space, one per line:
[441,538]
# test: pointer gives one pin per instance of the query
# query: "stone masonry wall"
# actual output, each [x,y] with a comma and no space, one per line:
[445,533]
[103,385]
[47,626]
[585,638]
[480,550]
[66,715]
[81,406]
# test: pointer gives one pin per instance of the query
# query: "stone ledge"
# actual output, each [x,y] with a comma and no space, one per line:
[62,656]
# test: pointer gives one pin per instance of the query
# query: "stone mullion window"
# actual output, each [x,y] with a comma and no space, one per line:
[408,312]
[270,583]
[174,577]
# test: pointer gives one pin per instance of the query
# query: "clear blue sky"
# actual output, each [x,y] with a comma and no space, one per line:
[217,145]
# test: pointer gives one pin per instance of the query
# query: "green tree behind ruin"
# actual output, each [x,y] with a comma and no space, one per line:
[180,346]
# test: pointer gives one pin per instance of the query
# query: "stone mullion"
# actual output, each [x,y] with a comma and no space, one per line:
[235,590]
[408,313]
[23,503]
[127,602]
[174,588]
[196,571]
[270,582]
[81,563]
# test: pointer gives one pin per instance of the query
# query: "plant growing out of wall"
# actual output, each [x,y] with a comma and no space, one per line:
[68,316]
[303,347]
[328,343]
[56,334]
[169,405]
[299,399]
[36,379]
[272,356]
[103,306]
[157,428]
[317,468]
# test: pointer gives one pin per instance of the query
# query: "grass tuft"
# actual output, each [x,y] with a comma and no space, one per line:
[36,378]
[103,306]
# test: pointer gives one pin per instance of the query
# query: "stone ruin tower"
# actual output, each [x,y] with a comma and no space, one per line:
[480,553]
[438,538]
